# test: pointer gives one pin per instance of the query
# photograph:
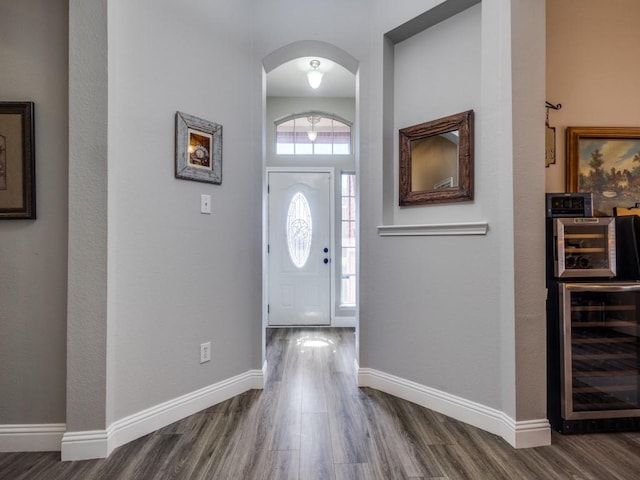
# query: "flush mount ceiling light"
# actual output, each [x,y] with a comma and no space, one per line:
[314,76]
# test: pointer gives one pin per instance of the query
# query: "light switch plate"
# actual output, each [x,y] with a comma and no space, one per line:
[205,203]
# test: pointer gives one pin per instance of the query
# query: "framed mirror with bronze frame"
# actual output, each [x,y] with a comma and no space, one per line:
[436,161]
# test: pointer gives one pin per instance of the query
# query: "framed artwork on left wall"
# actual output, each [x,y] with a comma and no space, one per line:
[198,149]
[17,161]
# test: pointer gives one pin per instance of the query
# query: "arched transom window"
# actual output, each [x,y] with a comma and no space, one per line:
[313,133]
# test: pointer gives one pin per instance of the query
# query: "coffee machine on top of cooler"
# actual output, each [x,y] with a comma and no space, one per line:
[593,317]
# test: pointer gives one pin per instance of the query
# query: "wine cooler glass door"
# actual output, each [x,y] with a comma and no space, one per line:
[585,247]
[601,350]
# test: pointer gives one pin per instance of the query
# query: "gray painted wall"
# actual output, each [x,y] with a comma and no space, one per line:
[447,287]
[174,278]
[33,253]
[88,252]
[430,305]
[178,278]
[441,310]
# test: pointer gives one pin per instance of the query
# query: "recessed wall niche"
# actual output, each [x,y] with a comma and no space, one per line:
[431,69]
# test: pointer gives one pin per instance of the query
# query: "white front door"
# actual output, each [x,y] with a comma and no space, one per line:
[299,248]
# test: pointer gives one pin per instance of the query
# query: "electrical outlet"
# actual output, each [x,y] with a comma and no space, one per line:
[205,203]
[205,352]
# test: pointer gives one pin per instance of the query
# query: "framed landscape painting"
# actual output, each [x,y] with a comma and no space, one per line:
[606,162]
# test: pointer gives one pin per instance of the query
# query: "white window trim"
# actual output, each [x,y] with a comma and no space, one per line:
[295,116]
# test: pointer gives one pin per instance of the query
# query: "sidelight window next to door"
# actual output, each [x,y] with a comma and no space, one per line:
[348,241]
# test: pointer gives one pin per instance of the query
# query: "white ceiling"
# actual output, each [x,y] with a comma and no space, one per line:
[290,80]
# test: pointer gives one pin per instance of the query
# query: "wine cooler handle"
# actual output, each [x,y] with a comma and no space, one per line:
[600,287]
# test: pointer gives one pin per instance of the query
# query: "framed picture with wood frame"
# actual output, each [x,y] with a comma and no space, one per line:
[606,162]
[17,161]
[198,149]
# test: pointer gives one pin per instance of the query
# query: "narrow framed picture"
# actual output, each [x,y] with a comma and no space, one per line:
[17,161]
[198,149]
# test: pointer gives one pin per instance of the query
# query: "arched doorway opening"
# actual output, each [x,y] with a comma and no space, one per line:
[287,94]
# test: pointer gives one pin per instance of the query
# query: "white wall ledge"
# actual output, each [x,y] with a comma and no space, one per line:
[434,229]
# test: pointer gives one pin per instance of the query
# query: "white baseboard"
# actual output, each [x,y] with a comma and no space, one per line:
[343,322]
[100,443]
[45,437]
[523,434]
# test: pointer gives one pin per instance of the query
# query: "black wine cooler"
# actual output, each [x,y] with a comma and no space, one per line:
[593,323]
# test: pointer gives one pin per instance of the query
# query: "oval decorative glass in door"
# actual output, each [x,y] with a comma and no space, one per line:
[299,230]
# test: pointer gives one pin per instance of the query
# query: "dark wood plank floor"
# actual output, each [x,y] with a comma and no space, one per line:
[312,422]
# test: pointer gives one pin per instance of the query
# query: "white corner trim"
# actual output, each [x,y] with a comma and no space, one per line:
[32,437]
[524,434]
[84,445]
[435,229]
[261,383]
[100,443]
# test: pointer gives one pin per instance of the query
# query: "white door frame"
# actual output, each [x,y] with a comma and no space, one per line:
[265,239]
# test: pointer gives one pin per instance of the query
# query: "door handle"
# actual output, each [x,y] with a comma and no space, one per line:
[326,260]
[325,250]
